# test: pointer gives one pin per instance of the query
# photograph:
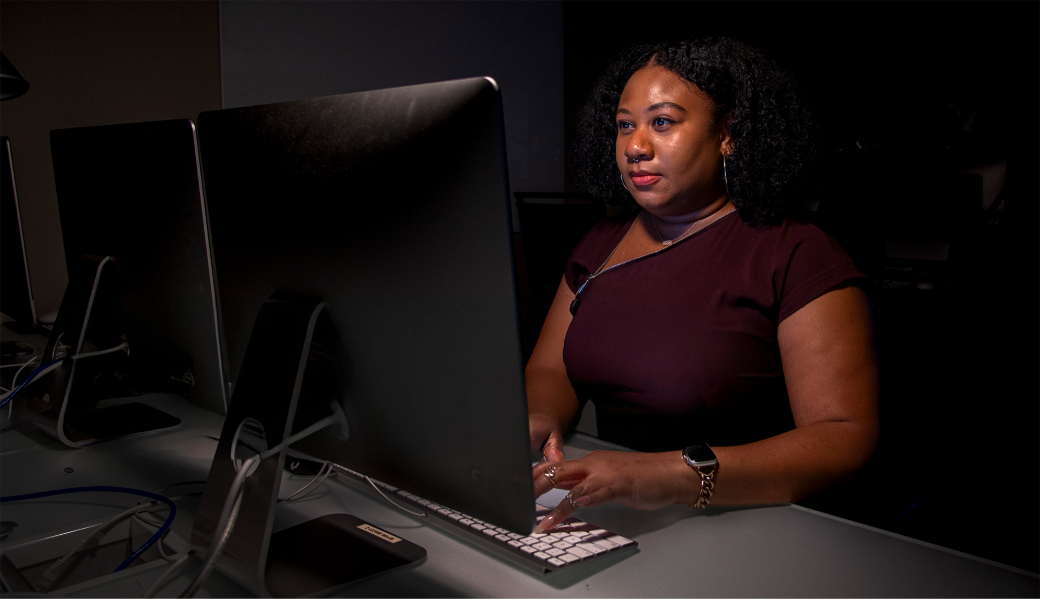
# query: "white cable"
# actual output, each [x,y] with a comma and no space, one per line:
[125,345]
[370,482]
[38,376]
[323,473]
[53,572]
[14,380]
[229,513]
[156,524]
[228,516]
[166,574]
[317,426]
[15,365]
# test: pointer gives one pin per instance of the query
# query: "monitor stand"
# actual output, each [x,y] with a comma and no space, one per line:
[64,405]
[314,557]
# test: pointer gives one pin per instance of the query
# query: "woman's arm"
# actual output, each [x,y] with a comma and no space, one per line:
[830,366]
[551,403]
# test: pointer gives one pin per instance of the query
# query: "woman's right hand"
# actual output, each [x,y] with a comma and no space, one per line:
[546,436]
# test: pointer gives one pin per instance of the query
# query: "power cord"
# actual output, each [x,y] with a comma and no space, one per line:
[52,365]
[229,513]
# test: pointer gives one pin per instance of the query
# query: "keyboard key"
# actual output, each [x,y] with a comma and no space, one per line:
[528,549]
[555,561]
[591,548]
[514,543]
[554,552]
[529,540]
[578,524]
[568,558]
[562,545]
[515,536]
[542,546]
[609,545]
[599,532]
[466,521]
[579,552]
[571,539]
[541,555]
[620,541]
[488,532]
[455,517]
[478,527]
[501,537]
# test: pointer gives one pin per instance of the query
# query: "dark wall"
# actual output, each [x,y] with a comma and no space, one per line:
[280,51]
[931,113]
[96,63]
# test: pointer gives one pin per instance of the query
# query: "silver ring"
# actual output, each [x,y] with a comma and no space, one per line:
[570,498]
[549,474]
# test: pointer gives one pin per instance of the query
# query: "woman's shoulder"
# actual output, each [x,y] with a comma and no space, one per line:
[788,236]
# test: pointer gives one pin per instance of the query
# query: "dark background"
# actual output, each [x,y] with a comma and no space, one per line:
[958,462]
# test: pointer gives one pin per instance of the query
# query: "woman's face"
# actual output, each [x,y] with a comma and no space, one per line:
[668,149]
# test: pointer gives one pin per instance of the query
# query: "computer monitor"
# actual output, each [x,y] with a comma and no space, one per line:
[391,208]
[137,249]
[16,300]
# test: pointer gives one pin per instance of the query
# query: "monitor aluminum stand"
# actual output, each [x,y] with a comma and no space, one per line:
[64,406]
[278,378]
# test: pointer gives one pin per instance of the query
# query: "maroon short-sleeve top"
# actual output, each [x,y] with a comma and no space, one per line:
[680,346]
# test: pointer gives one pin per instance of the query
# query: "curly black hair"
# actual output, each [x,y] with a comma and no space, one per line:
[775,139]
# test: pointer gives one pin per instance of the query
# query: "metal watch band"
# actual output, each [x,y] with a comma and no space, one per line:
[707,485]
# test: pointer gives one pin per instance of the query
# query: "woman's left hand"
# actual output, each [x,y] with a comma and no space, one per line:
[646,481]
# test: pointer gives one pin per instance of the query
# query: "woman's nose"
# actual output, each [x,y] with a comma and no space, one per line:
[639,147]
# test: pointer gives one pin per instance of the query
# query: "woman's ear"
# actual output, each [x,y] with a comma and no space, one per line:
[725,141]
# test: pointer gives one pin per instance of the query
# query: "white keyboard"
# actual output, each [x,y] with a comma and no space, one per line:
[570,543]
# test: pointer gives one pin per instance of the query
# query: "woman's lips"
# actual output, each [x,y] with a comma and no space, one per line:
[644,178]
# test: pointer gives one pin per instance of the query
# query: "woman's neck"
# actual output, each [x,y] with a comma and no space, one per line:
[719,207]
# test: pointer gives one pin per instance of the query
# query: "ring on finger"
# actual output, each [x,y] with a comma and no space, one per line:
[550,473]
[570,498]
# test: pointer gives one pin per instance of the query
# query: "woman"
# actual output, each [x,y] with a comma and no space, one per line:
[704,320]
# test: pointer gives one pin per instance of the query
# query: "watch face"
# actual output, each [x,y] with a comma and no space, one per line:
[700,454]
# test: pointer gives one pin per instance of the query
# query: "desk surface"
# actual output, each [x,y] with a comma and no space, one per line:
[763,551]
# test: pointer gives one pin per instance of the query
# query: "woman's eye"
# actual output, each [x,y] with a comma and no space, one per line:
[662,121]
[624,125]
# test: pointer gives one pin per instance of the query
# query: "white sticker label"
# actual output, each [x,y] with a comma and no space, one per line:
[379,533]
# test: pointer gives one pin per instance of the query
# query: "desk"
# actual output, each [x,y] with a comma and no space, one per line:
[763,551]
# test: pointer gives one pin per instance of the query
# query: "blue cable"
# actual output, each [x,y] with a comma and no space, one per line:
[107,488]
[26,382]
[906,511]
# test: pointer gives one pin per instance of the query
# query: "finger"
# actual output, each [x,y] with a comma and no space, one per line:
[543,484]
[553,448]
[555,517]
[563,475]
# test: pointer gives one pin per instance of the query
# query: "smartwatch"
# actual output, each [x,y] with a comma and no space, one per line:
[702,459]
